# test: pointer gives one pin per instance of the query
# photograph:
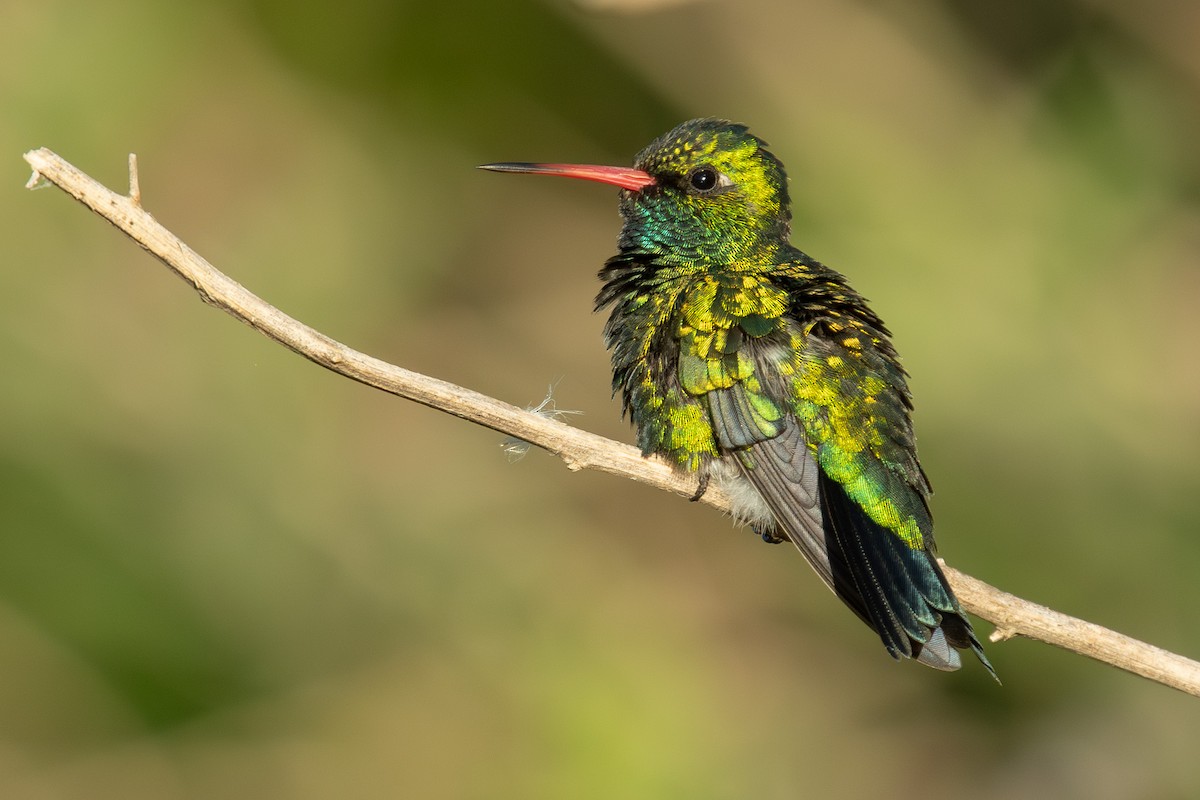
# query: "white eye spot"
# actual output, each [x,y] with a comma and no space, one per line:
[706,180]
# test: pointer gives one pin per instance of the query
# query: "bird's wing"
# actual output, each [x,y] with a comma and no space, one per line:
[835,462]
[880,578]
[785,473]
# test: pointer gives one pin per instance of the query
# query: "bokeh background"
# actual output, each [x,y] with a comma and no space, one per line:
[227,573]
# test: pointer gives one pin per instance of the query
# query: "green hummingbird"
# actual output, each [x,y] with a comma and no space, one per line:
[743,360]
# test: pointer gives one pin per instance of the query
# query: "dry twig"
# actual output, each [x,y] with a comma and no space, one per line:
[579,449]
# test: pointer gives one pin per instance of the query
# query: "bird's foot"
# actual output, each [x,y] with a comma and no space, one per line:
[769,536]
[702,488]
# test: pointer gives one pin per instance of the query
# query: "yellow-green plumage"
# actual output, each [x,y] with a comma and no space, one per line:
[740,358]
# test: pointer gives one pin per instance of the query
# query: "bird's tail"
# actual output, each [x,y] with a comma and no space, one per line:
[899,591]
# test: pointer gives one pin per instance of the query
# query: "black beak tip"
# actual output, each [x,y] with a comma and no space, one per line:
[506,166]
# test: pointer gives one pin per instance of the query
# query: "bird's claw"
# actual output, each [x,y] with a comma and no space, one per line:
[769,536]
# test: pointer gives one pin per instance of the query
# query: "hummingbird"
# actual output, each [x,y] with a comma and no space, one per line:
[742,360]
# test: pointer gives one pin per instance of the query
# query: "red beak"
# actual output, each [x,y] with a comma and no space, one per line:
[626,177]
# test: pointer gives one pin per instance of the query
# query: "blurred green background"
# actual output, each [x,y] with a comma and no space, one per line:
[227,573]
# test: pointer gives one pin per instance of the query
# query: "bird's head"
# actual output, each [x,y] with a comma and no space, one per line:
[706,191]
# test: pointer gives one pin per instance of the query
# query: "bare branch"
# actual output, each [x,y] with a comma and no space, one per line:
[579,449]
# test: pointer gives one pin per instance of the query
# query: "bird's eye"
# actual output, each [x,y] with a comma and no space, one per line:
[703,180]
